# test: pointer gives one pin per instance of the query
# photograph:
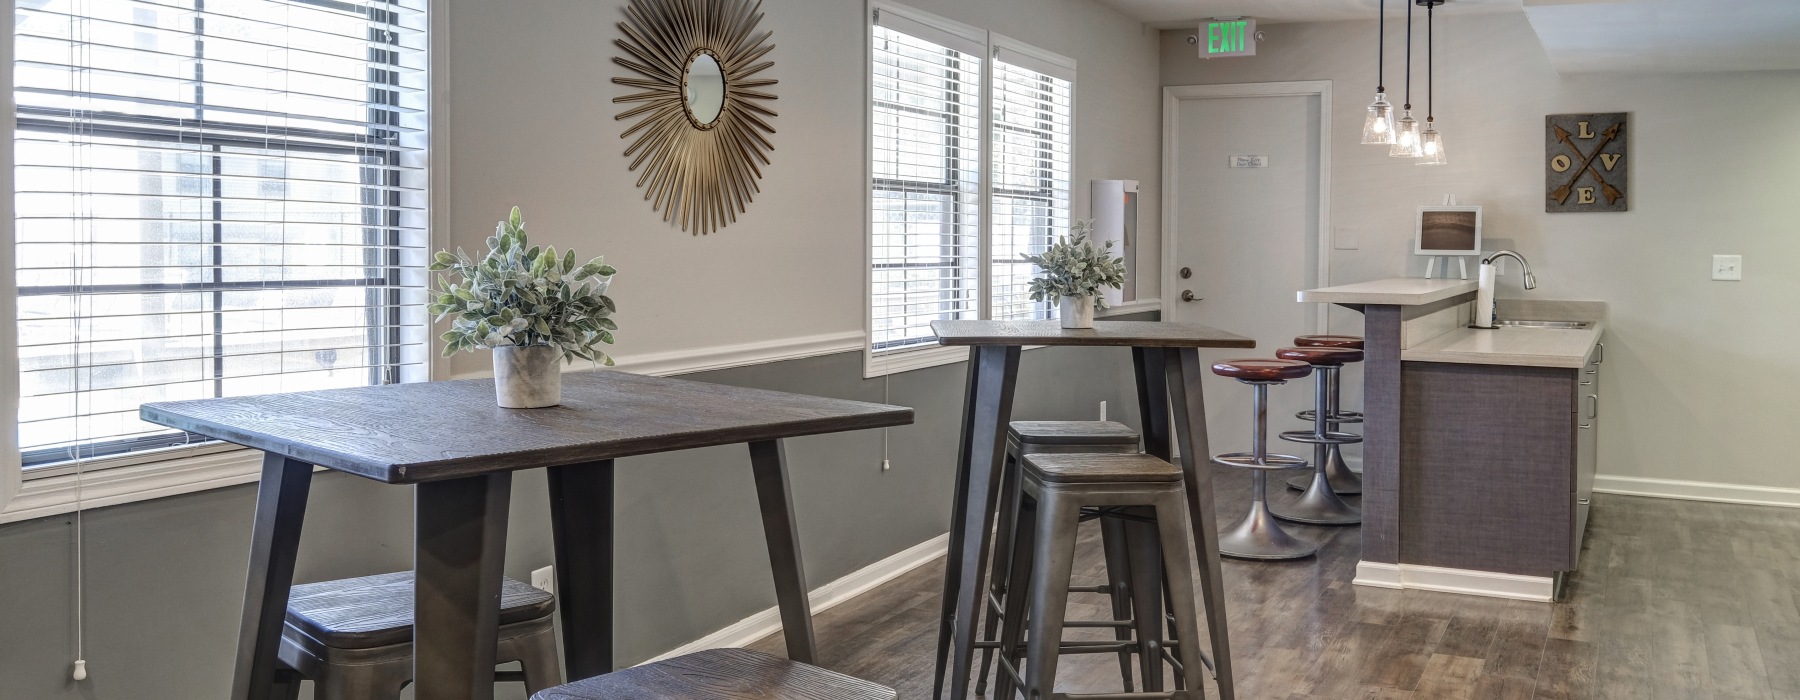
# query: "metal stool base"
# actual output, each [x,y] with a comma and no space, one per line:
[1319,506]
[1344,482]
[1260,536]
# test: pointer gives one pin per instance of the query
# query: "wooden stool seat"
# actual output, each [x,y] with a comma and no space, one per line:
[1100,468]
[1258,369]
[376,611]
[1073,432]
[1330,341]
[721,674]
[1325,356]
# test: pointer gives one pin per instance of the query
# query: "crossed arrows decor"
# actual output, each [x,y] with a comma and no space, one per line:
[1584,162]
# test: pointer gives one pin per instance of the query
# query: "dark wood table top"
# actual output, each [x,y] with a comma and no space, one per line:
[1142,334]
[408,433]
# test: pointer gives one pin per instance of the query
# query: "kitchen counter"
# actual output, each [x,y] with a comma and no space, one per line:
[1522,347]
[1397,291]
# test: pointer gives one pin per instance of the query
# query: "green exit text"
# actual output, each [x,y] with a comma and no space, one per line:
[1226,37]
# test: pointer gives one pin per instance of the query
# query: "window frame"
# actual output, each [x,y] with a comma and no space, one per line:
[932,354]
[53,488]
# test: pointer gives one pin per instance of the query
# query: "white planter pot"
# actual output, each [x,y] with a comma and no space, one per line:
[528,376]
[1077,312]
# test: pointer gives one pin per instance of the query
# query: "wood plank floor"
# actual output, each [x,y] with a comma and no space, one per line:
[1675,599]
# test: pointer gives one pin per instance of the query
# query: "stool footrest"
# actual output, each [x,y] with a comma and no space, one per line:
[1339,417]
[1329,438]
[1246,460]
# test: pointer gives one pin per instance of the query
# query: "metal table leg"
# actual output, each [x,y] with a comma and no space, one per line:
[459,545]
[581,523]
[769,462]
[280,508]
[993,373]
[1183,370]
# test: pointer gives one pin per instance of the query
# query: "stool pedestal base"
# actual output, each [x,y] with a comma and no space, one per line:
[1344,482]
[1259,535]
[1319,505]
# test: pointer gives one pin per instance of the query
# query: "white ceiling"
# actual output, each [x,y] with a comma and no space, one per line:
[1171,14]
[1580,36]
[1664,36]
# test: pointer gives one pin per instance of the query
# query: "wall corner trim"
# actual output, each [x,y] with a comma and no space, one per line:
[1464,581]
[1697,491]
[762,624]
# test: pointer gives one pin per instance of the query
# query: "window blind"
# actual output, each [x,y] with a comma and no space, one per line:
[926,232]
[214,198]
[1032,115]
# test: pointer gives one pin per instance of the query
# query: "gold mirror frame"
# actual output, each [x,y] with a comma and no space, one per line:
[701,176]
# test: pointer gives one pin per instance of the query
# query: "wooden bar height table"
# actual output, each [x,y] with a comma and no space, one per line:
[1166,363]
[459,450]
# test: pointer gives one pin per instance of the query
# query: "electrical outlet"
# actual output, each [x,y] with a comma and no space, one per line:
[1102,410]
[1729,268]
[544,579]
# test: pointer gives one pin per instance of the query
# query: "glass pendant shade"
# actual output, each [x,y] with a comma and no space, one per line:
[1378,128]
[1406,137]
[1431,146]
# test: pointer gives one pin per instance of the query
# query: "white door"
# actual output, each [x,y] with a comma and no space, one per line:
[1244,197]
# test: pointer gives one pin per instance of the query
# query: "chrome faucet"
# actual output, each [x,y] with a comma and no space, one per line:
[1530,279]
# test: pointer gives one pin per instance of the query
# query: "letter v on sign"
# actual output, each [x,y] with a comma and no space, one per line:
[1608,160]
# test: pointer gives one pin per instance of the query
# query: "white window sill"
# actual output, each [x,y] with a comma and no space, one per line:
[935,355]
[129,478]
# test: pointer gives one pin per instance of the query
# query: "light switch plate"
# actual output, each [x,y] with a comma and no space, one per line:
[1728,267]
[544,579]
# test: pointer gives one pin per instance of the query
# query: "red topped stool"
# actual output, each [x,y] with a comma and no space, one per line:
[1259,535]
[1343,481]
[1319,505]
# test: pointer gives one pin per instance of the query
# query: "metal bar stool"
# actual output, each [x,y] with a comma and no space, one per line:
[1259,535]
[1067,437]
[353,637]
[1343,481]
[721,674]
[1319,505]
[1056,487]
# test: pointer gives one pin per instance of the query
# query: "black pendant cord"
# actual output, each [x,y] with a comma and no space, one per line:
[1430,53]
[1381,50]
[1409,56]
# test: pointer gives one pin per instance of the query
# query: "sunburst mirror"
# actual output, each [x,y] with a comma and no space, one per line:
[701,130]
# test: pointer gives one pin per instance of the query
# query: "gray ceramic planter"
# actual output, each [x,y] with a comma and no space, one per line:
[528,376]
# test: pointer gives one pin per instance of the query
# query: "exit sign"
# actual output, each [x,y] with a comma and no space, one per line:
[1227,37]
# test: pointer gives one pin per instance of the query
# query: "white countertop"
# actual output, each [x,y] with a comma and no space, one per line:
[1397,291]
[1530,347]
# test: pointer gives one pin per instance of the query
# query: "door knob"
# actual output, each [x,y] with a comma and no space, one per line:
[1188,295]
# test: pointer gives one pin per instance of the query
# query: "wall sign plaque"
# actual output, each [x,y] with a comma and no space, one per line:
[1584,162]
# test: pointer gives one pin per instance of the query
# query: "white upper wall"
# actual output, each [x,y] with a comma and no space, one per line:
[1700,384]
[530,122]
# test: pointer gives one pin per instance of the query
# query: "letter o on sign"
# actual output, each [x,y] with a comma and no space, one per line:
[1560,164]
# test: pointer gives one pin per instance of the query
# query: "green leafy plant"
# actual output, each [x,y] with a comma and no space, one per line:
[524,296]
[1074,267]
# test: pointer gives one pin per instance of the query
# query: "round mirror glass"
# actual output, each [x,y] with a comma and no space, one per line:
[705,88]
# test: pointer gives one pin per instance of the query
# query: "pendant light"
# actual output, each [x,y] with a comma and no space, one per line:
[1378,127]
[1406,131]
[1431,144]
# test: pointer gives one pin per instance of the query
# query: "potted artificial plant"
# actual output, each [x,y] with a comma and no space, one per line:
[1075,270]
[531,307]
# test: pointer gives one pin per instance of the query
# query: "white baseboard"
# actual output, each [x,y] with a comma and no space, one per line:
[825,597]
[1464,581]
[1698,491]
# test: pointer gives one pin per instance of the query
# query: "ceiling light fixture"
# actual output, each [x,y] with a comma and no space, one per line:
[1431,144]
[1406,131]
[1378,127]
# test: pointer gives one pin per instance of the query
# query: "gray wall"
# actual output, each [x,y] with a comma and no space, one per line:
[1700,386]
[165,577]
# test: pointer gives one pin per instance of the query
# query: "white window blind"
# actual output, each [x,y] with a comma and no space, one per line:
[1032,118]
[214,198]
[926,169]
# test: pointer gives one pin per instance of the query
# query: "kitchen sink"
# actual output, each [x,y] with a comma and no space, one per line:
[1558,325]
